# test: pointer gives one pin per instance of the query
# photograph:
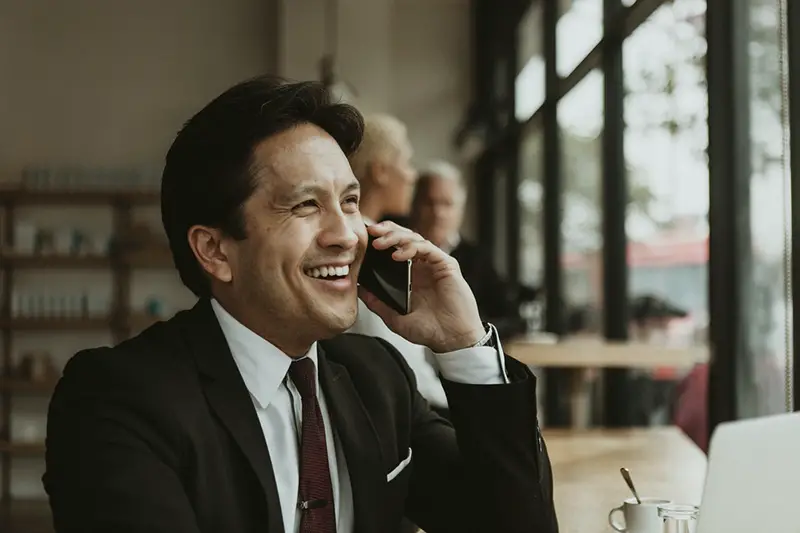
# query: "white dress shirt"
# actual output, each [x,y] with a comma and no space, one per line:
[418,357]
[264,370]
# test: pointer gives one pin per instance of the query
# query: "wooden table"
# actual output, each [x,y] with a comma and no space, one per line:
[587,483]
[586,355]
[598,353]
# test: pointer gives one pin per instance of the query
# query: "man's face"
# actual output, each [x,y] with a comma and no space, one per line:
[440,210]
[400,179]
[305,239]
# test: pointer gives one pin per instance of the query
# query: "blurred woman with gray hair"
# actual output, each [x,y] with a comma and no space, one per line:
[382,165]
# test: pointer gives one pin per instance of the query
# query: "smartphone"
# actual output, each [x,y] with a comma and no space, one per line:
[389,280]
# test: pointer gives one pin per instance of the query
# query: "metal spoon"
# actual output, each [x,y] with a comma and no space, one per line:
[626,475]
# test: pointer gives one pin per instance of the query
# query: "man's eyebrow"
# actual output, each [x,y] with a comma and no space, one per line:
[305,191]
[301,192]
[353,186]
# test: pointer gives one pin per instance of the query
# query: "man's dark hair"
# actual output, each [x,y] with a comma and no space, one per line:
[209,172]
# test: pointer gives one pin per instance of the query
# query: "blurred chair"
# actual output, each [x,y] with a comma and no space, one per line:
[690,410]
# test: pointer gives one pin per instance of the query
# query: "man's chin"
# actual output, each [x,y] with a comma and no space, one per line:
[338,319]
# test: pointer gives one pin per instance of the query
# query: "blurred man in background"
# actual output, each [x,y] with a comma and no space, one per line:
[382,165]
[438,205]
[437,212]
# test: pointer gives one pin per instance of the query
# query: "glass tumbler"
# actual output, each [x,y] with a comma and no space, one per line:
[678,518]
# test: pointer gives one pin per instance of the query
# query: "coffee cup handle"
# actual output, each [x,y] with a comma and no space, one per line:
[613,523]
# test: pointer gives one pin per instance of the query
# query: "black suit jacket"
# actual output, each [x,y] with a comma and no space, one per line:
[159,435]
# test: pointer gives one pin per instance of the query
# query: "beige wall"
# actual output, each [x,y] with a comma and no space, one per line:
[109,82]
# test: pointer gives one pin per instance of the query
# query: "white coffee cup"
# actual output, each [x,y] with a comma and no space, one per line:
[639,517]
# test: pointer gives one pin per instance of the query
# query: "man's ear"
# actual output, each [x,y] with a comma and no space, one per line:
[209,247]
[377,172]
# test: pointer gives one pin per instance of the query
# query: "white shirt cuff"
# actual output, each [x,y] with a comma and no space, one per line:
[473,366]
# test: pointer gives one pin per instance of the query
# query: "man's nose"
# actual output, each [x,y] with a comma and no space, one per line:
[340,231]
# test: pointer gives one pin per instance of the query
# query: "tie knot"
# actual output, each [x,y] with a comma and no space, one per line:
[303,376]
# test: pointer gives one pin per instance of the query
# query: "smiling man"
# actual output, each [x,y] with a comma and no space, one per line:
[253,411]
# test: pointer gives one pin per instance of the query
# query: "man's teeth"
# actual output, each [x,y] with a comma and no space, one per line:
[329,271]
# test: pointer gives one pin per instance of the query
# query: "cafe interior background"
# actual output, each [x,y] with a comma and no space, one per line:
[614,150]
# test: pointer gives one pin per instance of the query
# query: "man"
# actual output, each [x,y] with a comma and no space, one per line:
[251,412]
[437,214]
[382,165]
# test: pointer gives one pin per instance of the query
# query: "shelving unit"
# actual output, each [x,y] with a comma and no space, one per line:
[54,261]
[24,386]
[29,516]
[33,516]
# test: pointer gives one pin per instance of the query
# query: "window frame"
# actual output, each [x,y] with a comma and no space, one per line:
[729,152]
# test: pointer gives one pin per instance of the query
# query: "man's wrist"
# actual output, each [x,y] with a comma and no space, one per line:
[468,340]
[487,339]
[480,364]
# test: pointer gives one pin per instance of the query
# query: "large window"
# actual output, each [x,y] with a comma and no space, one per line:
[665,142]
[500,181]
[529,85]
[666,136]
[580,120]
[579,29]
[702,152]
[763,383]
[531,202]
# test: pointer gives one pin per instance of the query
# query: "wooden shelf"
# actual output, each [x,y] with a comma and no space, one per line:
[149,258]
[34,516]
[136,322]
[55,261]
[22,448]
[140,321]
[159,257]
[30,516]
[77,198]
[56,324]
[24,386]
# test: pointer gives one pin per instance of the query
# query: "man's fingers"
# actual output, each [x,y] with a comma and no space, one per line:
[382,228]
[410,250]
[420,251]
[409,245]
[396,238]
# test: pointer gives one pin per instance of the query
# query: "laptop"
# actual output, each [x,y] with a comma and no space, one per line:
[753,478]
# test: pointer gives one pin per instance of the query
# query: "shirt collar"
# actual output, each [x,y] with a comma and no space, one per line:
[262,365]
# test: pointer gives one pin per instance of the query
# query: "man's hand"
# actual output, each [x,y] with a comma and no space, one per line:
[444,316]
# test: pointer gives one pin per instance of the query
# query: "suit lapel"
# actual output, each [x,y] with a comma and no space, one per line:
[228,397]
[359,441]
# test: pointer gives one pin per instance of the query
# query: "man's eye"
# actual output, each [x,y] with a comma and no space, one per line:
[351,200]
[308,204]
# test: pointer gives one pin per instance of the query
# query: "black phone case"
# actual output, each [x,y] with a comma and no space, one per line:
[387,279]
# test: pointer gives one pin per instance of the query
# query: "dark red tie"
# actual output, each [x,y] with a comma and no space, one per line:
[316,491]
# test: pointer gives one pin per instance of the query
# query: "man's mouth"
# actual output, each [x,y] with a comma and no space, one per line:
[329,272]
